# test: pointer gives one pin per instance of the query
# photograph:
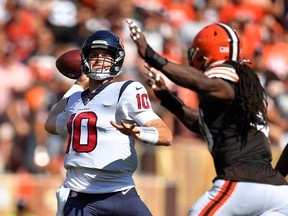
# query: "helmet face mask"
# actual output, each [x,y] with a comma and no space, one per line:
[100,62]
[196,59]
[106,41]
[215,43]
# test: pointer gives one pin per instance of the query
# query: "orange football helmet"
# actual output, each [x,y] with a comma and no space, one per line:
[215,42]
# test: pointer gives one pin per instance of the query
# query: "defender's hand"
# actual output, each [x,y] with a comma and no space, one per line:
[155,80]
[138,37]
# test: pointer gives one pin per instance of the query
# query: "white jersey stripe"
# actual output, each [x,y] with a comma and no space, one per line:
[222,72]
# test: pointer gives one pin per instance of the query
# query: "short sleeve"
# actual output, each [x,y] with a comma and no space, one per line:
[61,124]
[134,104]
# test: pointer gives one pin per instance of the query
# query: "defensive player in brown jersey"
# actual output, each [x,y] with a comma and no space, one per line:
[232,117]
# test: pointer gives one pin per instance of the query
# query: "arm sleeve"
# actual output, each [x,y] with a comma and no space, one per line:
[188,116]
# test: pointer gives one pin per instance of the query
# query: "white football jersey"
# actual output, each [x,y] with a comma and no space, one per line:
[93,141]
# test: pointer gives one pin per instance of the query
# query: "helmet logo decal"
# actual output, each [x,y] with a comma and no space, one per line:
[99,42]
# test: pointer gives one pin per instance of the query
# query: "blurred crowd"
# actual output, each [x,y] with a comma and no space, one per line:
[33,33]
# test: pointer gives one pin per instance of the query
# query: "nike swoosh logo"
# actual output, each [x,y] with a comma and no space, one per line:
[126,191]
[138,88]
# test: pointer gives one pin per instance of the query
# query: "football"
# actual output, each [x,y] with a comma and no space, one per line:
[69,64]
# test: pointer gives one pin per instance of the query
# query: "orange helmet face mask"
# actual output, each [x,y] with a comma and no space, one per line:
[215,42]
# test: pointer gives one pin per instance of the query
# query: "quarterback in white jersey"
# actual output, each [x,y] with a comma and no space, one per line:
[103,119]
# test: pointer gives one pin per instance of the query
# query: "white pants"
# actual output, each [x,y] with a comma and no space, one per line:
[61,195]
[242,198]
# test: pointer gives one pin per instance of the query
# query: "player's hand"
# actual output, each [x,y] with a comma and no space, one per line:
[155,80]
[138,37]
[83,81]
[127,129]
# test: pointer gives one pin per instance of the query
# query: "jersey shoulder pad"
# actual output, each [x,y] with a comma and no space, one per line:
[223,71]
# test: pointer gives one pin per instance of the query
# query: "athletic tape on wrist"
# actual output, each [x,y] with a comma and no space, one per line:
[74,88]
[154,59]
[149,135]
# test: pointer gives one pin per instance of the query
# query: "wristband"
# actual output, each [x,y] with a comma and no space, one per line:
[170,101]
[74,88]
[149,135]
[154,59]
